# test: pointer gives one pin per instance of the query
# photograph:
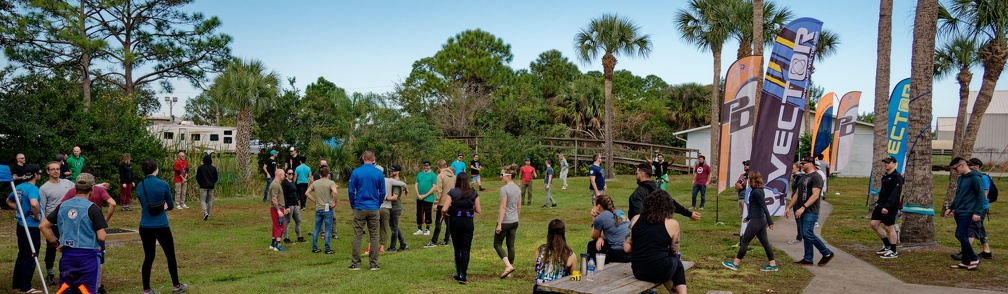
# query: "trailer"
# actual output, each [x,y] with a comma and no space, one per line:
[187,136]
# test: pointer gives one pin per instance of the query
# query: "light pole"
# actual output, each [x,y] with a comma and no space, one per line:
[171,106]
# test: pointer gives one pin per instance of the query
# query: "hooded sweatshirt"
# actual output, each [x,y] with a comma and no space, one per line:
[445,182]
[969,194]
[644,188]
[206,174]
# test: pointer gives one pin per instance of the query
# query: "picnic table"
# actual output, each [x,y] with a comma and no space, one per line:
[615,278]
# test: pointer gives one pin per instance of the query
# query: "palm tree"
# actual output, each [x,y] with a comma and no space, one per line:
[610,35]
[919,228]
[882,64]
[826,46]
[957,56]
[245,86]
[706,24]
[746,22]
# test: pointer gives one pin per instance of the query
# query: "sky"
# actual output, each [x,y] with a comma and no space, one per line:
[369,46]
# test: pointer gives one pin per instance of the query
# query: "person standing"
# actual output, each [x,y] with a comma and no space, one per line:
[824,171]
[125,181]
[154,227]
[809,190]
[51,195]
[302,174]
[596,177]
[83,232]
[366,192]
[425,187]
[548,182]
[967,207]
[507,219]
[315,177]
[741,186]
[291,198]
[654,244]
[661,171]
[610,227]
[978,230]
[796,174]
[65,172]
[701,171]
[269,167]
[181,179]
[76,163]
[564,169]
[99,196]
[462,205]
[445,181]
[527,174]
[206,177]
[459,166]
[384,213]
[759,219]
[644,188]
[28,218]
[18,168]
[325,192]
[294,160]
[397,192]
[278,210]
[476,168]
[888,207]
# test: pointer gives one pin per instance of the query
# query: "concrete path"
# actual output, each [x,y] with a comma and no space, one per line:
[846,273]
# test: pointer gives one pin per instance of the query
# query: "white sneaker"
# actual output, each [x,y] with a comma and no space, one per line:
[418,232]
[890,254]
[817,224]
[178,206]
[426,232]
[185,206]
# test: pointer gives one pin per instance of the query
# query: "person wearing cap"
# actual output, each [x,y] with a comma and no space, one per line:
[977,229]
[206,178]
[396,190]
[294,160]
[808,201]
[742,188]
[967,208]
[99,196]
[887,208]
[181,167]
[83,232]
[701,172]
[445,182]
[366,192]
[154,227]
[476,167]
[28,217]
[385,210]
[458,165]
[50,195]
[269,168]
[76,162]
[425,187]
[527,174]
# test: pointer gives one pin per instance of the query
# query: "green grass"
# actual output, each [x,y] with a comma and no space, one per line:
[228,253]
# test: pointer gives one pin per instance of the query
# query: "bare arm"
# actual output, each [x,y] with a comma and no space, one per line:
[100,235]
[672,227]
[476,206]
[501,211]
[111,209]
[335,191]
[309,193]
[591,179]
[35,209]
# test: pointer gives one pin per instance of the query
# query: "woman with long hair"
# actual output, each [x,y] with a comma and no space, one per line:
[554,260]
[125,181]
[654,241]
[507,219]
[462,205]
[609,229]
[759,219]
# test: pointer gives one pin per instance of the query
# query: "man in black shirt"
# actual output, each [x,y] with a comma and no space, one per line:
[294,160]
[18,168]
[807,197]
[887,208]
[644,188]
[269,167]
[474,175]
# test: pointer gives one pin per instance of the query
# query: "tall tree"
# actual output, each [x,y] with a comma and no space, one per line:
[773,18]
[882,63]
[245,86]
[706,24]
[554,71]
[919,228]
[608,36]
[957,56]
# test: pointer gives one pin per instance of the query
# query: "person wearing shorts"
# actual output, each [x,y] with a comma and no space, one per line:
[887,208]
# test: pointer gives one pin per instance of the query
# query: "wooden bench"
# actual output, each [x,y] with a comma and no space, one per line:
[616,278]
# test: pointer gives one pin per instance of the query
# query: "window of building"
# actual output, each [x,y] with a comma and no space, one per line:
[169,135]
[227,140]
[194,137]
[214,137]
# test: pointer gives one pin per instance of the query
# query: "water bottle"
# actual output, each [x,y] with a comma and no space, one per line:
[591,270]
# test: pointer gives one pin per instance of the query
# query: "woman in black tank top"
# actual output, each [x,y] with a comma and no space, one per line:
[654,241]
[460,207]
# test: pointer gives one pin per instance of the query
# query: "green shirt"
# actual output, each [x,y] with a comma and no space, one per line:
[323,193]
[425,182]
[76,165]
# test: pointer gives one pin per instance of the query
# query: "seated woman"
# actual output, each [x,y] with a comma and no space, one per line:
[654,241]
[609,229]
[554,259]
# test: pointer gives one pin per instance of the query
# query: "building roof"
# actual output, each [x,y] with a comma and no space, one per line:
[998,104]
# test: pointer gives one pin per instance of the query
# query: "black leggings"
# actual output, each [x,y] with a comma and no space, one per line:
[149,237]
[756,228]
[462,228]
[423,213]
[508,231]
[437,226]
[612,255]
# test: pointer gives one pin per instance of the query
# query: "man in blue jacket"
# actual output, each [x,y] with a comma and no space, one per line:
[366,192]
[967,208]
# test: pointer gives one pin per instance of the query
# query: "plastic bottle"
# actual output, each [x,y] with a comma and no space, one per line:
[591,270]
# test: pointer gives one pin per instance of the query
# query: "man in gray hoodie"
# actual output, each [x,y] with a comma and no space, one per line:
[206,177]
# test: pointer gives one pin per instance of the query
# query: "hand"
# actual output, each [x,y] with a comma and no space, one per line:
[976,218]
[598,244]
[332,205]
[105,185]
[124,186]
[786,214]
[745,220]
[799,212]
[695,216]
[166,206]
[885,211]
[771,227]
[948,213]
[498,228]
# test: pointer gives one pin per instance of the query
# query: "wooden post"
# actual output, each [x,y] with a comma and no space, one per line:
[575,156]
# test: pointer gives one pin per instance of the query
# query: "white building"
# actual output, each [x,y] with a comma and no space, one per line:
[185,135]
[991,139]
[859,164]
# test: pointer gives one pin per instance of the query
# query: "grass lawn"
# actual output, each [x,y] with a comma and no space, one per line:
[228,253]
[848,229]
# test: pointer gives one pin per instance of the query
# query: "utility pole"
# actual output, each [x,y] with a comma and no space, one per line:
[171,106]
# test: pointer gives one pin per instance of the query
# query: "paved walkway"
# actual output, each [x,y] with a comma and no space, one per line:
[846,273]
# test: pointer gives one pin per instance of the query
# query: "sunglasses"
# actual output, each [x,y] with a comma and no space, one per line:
[505,175]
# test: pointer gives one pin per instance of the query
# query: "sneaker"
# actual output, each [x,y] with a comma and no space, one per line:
[795,241]
[804,262]
[301,240]
[50,279]
[544,206]
[329,251]
[816,224]
[207,216]
[768,268]
[354,268]
[445,243]
[392,250]
[692,207]
[701,208]
[179,288]
[178,206]
[274,247]
[315,250]
[890,254]
[730,265]
[554,205]
[426,232]
[185,206]
[101,290]
[482,189]
[151,291]
[883,251]
[31,291]
[986,255]
[957,256]
[418,232]
[374,268]
[287,241]
[430,244]
[367,252]
[826,259]
[404,247]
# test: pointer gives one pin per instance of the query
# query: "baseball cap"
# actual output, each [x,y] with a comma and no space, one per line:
[975,162]
[527,159]
[272,152]
[426,162]
[745,162]
[808,159]
[84,181]
[889,159]
[32,169]
[394,168]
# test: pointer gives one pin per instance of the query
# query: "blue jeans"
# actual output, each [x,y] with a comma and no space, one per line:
[322,217]
[962,233]
[265,192]
[703,194]
[810,239]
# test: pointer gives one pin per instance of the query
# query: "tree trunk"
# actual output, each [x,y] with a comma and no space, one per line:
[919,228]
[806,117]
[85,60]
[881,116]
[244,132]
[715,116]
[964,79]
[993,55]
[744,48]
[608,64]
[757,44]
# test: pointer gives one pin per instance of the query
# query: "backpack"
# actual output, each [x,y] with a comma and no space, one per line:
[992,194]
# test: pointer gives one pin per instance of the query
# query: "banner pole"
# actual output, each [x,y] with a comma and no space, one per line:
[31,243]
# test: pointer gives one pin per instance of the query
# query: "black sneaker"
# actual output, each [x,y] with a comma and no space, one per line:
[301,240]
[315,251]
[101,290]
[403,248]
[890,254]
[882,251]
[957,256]
[354,268]
[430,244]
[287,241]
[50,279]
[986,255]
[445,243]
[826,259]
[554,205]
[329,252]
[392,249]
[803,262]
[206,216]
[481,188]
